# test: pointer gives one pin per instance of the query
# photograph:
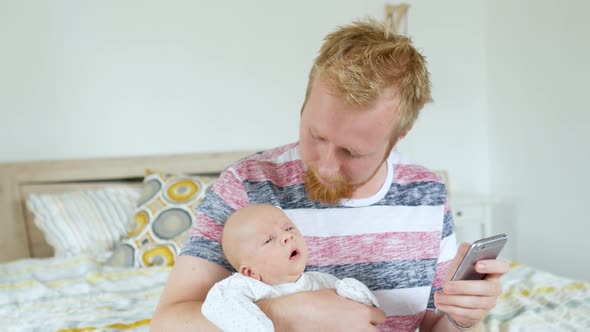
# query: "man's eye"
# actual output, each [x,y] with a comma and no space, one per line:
[353,155]
[268,240]
[317,138]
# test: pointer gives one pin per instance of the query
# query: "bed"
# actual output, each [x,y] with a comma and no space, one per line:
[47,289]
[40,291]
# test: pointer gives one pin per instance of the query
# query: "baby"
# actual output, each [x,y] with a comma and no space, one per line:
[269,255]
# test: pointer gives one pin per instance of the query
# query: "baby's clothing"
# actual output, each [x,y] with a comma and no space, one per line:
[230,304]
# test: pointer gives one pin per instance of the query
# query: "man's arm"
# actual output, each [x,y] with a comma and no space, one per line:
[180,304]
[321,310]
[192,278]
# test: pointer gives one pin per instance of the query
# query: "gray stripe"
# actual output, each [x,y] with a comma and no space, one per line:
[294,197]
[430,304]
[215,207]
[448,224]
[290,197]
[415,194]
[207,249]
[385,275]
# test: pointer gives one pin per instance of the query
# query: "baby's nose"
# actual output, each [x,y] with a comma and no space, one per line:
[287,237]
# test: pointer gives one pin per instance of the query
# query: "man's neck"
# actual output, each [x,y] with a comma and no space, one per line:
[374,184]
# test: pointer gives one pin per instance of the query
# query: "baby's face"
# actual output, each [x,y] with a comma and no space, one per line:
[275,247]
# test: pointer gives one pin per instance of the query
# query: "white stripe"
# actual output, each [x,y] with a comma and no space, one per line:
[288,155]
[448,248]
[367,220]
[403,302]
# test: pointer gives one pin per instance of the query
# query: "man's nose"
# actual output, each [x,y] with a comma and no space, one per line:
[329,165]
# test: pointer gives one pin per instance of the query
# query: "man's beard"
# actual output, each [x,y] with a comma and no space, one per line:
[339,188]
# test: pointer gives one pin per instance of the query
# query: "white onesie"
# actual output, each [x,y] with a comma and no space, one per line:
[230,304]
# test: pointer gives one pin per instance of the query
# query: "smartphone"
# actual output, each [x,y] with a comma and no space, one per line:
[488,248]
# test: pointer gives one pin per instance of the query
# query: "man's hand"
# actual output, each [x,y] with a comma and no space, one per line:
[469,301]
[321,310]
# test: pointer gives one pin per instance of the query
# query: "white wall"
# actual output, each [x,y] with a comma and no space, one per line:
[452,132]
[538,63]
[110,78]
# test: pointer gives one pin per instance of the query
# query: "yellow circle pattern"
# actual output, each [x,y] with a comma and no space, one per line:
[183,190]
[140,220]
[162,251]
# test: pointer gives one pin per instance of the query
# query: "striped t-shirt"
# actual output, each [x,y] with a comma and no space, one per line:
[398,242]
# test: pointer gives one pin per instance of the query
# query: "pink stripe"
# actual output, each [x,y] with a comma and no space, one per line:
[231,189]
[370,248]
[206,227]
[441,272]
[401,323]
[282,175]
[406,174]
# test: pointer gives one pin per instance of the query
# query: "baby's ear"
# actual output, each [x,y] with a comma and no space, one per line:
[249,272]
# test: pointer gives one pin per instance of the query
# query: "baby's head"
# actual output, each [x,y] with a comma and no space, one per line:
[261,242]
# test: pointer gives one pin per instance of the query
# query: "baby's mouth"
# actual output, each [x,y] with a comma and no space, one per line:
[294,254]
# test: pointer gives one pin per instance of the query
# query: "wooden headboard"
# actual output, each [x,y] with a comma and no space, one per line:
[19,237]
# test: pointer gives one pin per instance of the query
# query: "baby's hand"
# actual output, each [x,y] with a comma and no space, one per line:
[355,290]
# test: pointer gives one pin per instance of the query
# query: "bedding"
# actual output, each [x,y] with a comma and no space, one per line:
[83,221]
[75,291]
[163,218]
[535,300]
[69,294]
[73,294]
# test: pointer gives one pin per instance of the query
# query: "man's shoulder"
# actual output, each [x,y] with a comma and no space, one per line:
[283,159]
[408,172]
[276,155]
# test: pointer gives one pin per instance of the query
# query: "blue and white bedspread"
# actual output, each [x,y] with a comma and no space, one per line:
[77,294]
[535,300]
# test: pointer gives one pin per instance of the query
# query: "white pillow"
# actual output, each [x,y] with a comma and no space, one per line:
[86,221]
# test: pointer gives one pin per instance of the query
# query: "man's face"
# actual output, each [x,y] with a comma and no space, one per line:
[275,247]
[343,147]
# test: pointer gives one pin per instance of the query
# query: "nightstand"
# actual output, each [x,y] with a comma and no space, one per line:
[471,213]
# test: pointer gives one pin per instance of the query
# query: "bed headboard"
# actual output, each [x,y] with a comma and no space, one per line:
[19,238]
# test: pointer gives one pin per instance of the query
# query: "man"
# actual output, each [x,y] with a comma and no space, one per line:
[364,213]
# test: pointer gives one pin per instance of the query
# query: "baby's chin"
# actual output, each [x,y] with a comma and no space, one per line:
[301,264]
[289,276]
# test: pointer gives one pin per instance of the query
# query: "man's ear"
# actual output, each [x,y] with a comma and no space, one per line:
[403,134]
[250,272]
[400,137]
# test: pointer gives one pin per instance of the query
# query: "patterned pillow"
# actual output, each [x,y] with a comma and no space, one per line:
[165,214]
[83,221]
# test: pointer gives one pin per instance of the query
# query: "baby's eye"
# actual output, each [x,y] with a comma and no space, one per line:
[290,228]
[268,240]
